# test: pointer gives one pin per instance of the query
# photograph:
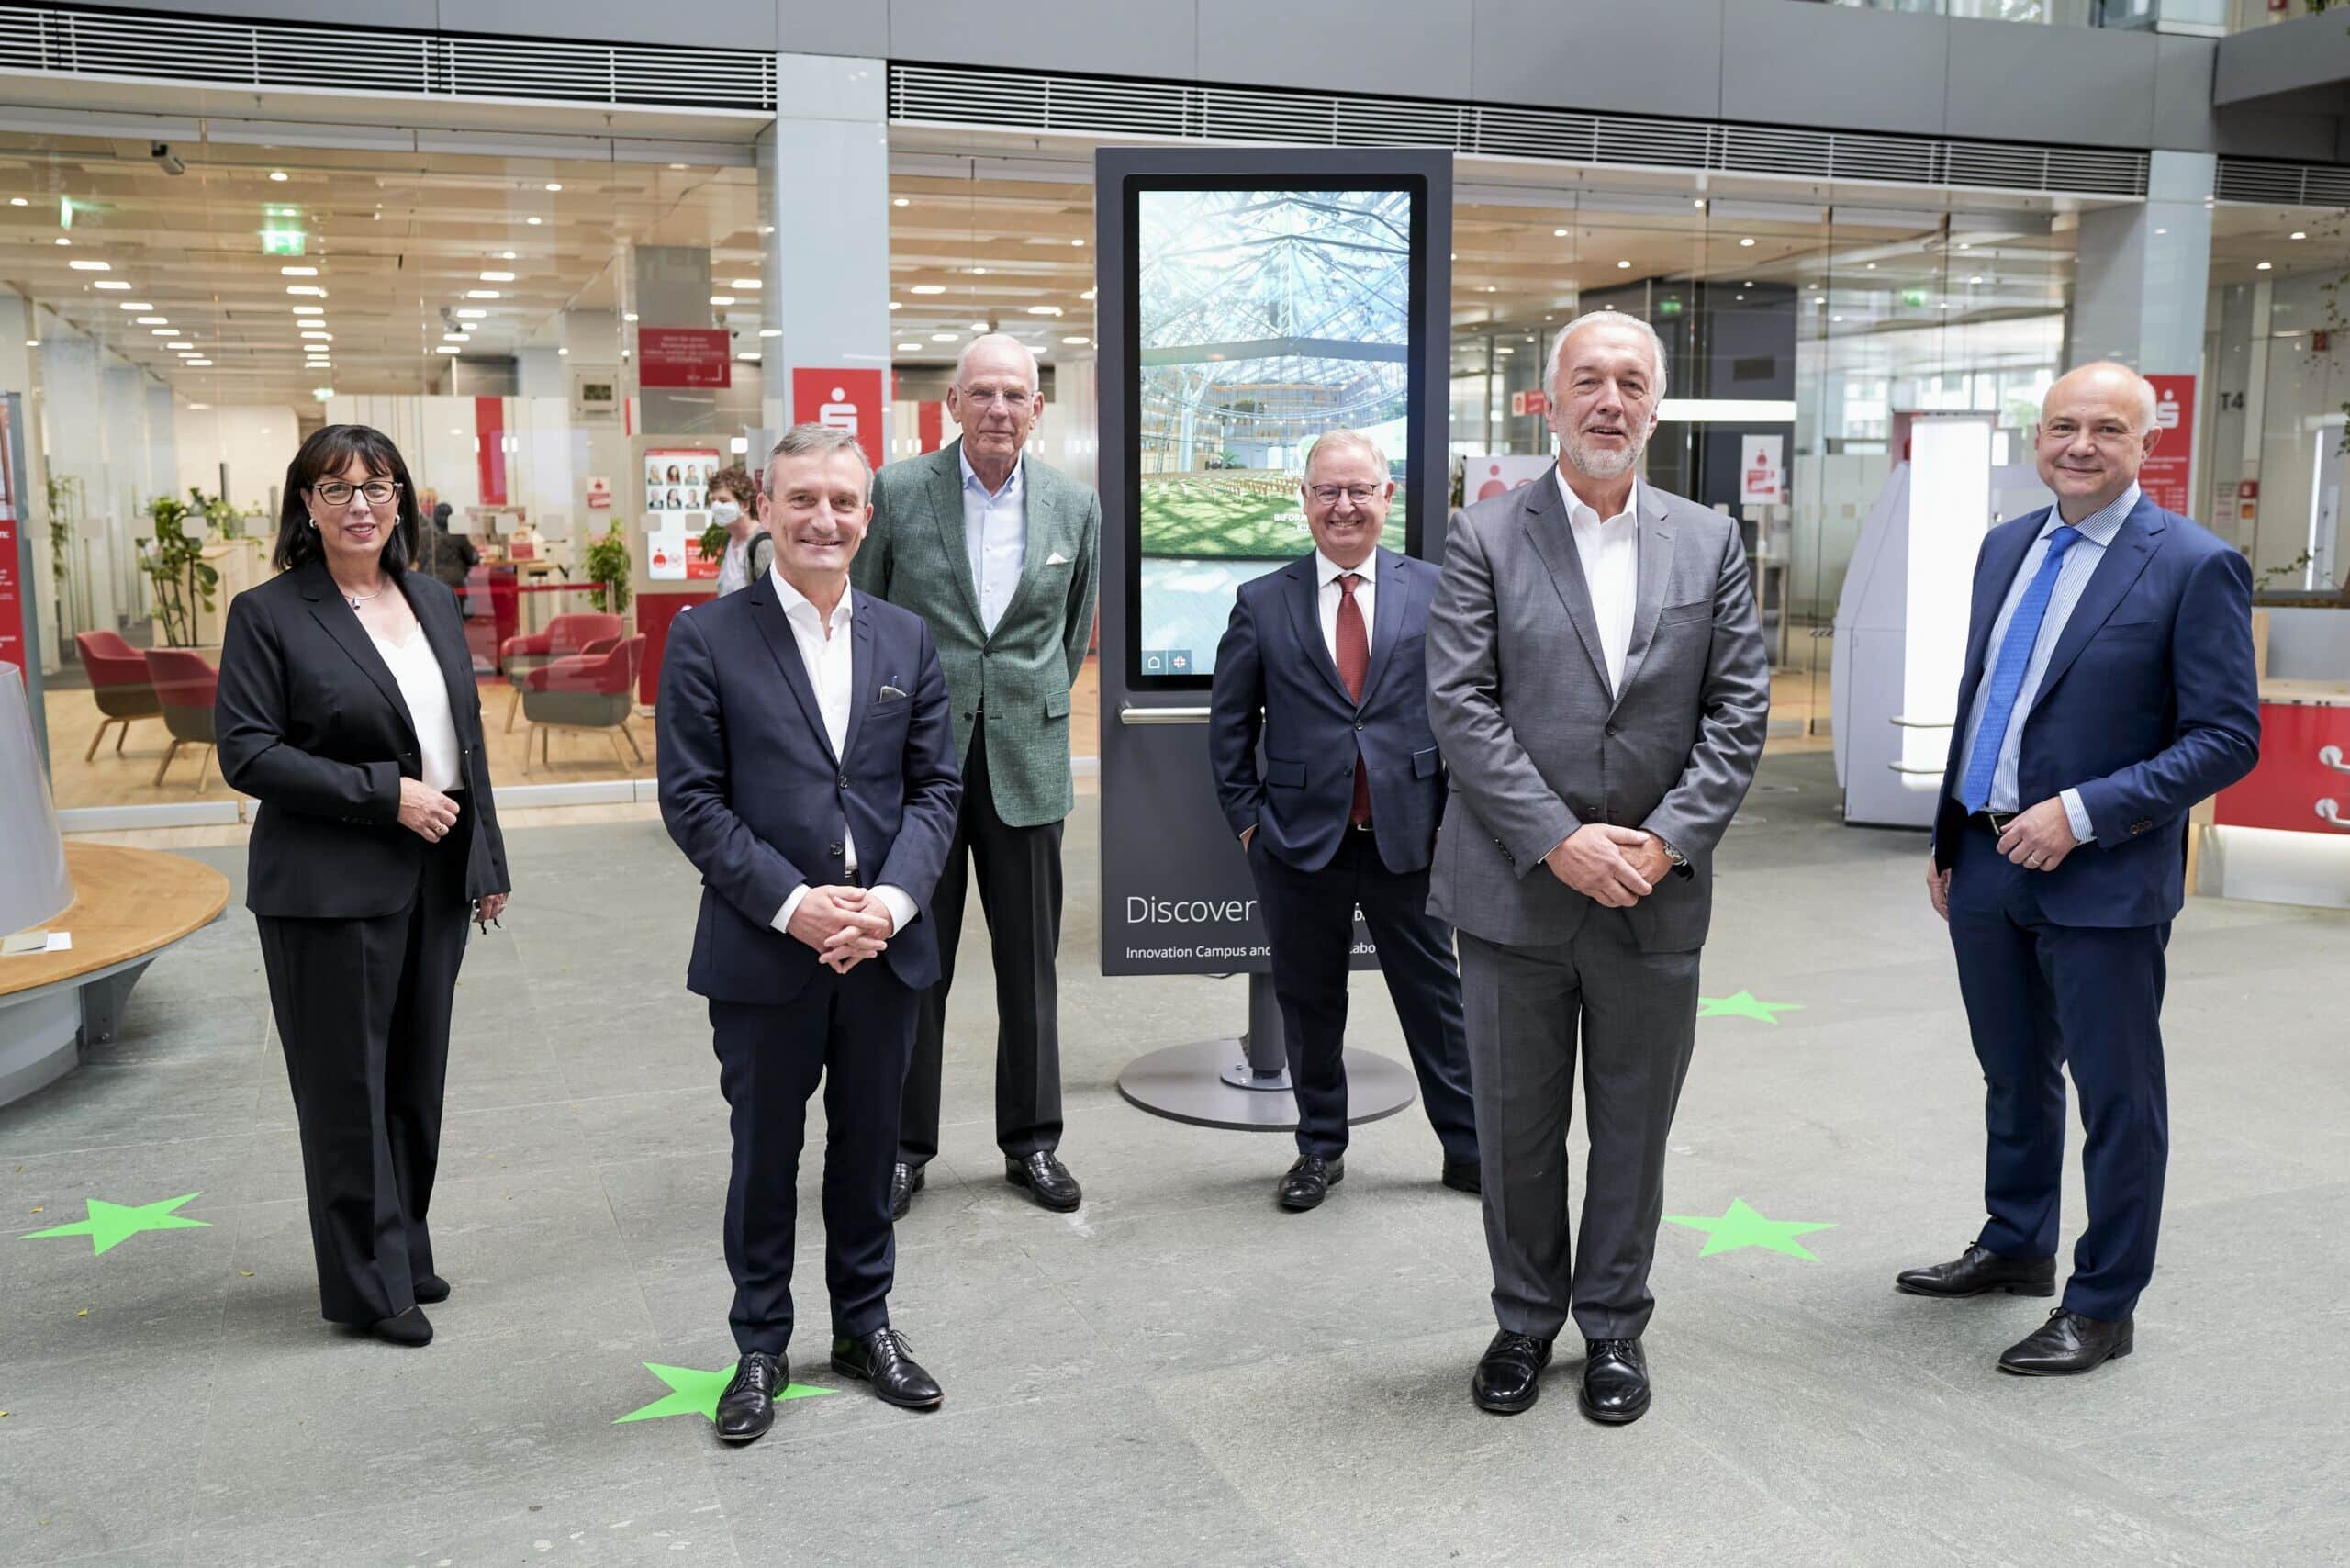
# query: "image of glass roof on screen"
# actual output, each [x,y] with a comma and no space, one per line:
[1267,316]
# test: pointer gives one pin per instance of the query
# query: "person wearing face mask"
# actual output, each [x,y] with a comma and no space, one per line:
[1598,682]
[347,707]
[805,773]
[732,499]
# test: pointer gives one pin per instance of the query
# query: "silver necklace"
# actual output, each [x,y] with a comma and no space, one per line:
[356,600]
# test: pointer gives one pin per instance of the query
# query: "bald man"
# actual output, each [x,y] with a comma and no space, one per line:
[2108,686]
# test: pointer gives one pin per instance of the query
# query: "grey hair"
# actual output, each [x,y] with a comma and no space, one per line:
[991,339]
[1345,441]
[1604,318]
[2148,410]
[816,441]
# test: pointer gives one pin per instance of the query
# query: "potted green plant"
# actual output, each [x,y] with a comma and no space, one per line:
[222,519]
[176,571]
[713,542]
[608,568]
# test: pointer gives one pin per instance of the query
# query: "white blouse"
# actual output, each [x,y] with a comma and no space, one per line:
[426,691]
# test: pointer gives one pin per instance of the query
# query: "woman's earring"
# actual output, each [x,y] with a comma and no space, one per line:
[313,523]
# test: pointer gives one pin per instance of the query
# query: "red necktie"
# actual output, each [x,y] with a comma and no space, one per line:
[1354,668]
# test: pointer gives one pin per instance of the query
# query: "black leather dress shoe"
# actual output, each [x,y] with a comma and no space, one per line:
[1504,1383]
[1308,1181]
[1614,1380]
[2069,1343]
[881,1359]
[431,1289]
[1047,1180]
[1977,1270]
[1463,1176]
[905,1180]
[410,1328]
[746,1408]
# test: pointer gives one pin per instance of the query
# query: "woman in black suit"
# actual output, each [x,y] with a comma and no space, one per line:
[347,707]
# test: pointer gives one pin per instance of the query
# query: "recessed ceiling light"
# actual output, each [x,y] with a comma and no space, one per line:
[1045,311]
[80,266]
[163,332]
[455,337]
[178,343]
[897,304]
[1747,240]
[277,175]
[1871,268]
[751,354]
[113,283]
[1558,233]
[979,272]
[309,290]
[197,364]
[928,289]
[535,222]
[1623,266]
[1966,247]
[1087,294]
[2297,234]
[505,255]
[2261,268]
[1974,280]
[895,201]
[770,332]
[978,326]
[1077,342]
[62,239]
[625,316]
[137,305]
[677,165]
[498,277]
[553,186]
[32,342]
[1837,319]
[722,299]
[309,310]
[563,353]
[744,283]
[18,201]
[154,320]
[481,294]
[909,347]
[484,315]
[317,337]
[944,337]
[298,272]
[446,348]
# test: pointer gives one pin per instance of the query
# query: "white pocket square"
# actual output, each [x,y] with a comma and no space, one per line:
[1056,559]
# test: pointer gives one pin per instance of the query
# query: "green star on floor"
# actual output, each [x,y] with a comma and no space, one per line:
[1739,1225]
[693,1392]
[110,1225]
[1743,1006]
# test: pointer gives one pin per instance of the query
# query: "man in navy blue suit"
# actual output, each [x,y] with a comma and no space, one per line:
[1323,659]
[806,772]
[2109,687]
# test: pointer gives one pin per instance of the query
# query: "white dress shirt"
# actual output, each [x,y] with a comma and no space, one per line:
[1326,573]
[1609,549]
[995,535]
[2097,531]
[826,653]
[426,691]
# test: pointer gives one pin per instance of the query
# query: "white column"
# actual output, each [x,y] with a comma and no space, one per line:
[2144,273]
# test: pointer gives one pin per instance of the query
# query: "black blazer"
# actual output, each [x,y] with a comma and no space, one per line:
[311,725]
[1274,676]
[753,793]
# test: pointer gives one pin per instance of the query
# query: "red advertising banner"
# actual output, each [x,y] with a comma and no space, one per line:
[2168,469]
[845,399]
[683,356]
[489,449]
[12,587]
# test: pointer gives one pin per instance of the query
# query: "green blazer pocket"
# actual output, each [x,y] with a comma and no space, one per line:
[1055,704]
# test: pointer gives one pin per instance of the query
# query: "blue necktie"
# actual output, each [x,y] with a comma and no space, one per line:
[2007,677]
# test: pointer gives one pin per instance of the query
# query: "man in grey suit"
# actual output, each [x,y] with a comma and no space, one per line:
[1597,681]
[1000,554]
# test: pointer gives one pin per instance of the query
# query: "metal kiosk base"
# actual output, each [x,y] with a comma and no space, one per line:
[1244,1082]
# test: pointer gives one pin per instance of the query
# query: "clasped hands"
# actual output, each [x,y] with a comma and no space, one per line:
[846,925]
[1612,866]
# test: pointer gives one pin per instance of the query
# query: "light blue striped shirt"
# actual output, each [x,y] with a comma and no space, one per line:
[2097,531]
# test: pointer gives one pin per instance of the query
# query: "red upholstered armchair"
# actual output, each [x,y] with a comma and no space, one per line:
[584,691]
[561,638]
[118,680]
[184,686]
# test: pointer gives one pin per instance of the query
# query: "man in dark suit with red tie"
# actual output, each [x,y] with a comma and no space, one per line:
[1323,661]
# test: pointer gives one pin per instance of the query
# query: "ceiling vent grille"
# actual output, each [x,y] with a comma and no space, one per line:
[53,42]
[2283,185]
[938,94]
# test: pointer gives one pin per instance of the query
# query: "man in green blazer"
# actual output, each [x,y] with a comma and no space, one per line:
[1000,554]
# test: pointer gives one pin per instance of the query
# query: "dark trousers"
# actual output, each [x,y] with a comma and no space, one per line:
[1634,1015]
[362,1016]
[1020,889]
[2041,996]
[854,1031]
[1309,916]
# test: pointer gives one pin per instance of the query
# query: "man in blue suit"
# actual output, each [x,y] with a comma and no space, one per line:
[1323,659]
[806,772]
[2109,687]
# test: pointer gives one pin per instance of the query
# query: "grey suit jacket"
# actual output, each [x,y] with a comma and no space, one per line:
[1019,673]
[1538,745]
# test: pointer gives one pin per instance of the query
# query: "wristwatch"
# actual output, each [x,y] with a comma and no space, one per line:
[1680,861]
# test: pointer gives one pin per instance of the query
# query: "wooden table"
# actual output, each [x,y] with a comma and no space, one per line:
[129,905]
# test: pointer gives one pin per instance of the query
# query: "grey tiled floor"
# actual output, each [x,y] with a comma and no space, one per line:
[1178,1374]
